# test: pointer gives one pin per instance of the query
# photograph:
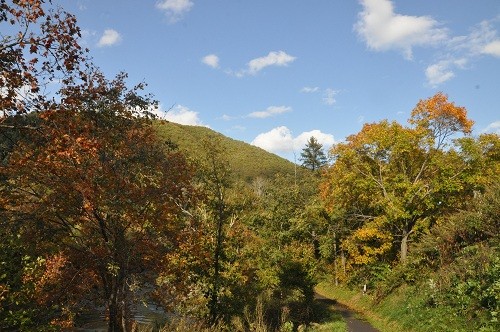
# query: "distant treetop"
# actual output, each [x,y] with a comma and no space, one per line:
[312,156]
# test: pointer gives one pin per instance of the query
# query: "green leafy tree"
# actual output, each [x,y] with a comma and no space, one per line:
[284,249]
[312,156]
[215,177]
[226,279]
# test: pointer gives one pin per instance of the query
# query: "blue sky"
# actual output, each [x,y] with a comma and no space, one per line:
[275,72]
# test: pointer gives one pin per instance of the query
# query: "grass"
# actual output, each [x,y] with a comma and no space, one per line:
[409,306]
[362,304]
[405,309]
[328,319]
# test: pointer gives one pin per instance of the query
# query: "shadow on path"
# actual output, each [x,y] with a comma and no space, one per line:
[354,323]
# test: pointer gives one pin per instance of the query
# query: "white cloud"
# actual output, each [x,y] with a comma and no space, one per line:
[326,140]
[382,29]
[276,140]
[180,114]
[175,9]
[492,48]
[438,73]
[110,37]
[308,89]
[329,96]
[270,111]
[493,127]
[460,51]
[280,140]
[475,43]
[279,59]
[461,63]
[274,58]
[443,70]
[211,60]
[226,117]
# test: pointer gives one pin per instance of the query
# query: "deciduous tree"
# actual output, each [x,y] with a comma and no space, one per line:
[403,174]
[215,177]
[97,188]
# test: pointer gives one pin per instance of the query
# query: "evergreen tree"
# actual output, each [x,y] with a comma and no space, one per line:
[313,156]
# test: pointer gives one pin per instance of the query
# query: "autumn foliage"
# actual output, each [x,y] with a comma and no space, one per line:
[97,209]
[96,189]
[440,116]
[390,183]
[387,172]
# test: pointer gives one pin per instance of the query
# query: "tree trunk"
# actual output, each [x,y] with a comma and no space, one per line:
[214,298]
[124,307]
[336,272]
[343,260]
[117,313]
[114,313]
[335,260]
[404,247]
[117,309]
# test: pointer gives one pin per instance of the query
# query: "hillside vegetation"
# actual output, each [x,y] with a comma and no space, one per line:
[247,162]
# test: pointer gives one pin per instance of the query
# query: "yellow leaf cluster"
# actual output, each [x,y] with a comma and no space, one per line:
[367,244]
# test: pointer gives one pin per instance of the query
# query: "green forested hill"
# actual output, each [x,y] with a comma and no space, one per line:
[247,161]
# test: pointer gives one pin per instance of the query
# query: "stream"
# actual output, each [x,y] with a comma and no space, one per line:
[145,315]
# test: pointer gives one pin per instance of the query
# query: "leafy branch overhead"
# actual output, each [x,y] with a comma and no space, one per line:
[41,48]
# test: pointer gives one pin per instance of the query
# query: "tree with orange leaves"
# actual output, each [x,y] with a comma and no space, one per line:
[94,188]
[90,200]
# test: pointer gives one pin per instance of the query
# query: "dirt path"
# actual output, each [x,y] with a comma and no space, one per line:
[354,324]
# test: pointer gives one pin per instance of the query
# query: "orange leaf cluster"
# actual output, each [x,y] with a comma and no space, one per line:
[441,116]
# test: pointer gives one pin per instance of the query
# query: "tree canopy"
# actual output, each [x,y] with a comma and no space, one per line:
[392,181]
[102,196]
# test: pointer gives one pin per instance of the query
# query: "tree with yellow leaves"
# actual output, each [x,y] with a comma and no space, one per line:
[390,181]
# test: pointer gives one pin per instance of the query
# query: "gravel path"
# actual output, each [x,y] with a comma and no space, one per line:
[354,324]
